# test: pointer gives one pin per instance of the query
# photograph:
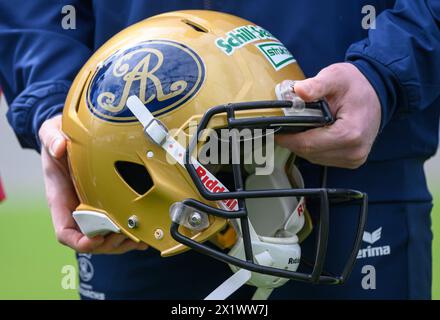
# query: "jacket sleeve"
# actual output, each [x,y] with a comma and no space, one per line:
[401,57]
[39,59]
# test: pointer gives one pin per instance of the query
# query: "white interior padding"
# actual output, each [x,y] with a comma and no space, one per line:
[268,215]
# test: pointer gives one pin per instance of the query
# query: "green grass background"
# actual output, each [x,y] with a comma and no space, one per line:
[31,260]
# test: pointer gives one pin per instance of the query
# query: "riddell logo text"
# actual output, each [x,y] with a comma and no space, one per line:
[300,209]
[213,186]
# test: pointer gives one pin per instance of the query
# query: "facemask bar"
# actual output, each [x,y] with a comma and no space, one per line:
[325,195]
[301,122]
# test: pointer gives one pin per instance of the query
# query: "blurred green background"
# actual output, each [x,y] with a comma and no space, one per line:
[31,260]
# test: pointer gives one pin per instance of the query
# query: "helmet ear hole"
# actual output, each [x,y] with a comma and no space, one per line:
[135,175]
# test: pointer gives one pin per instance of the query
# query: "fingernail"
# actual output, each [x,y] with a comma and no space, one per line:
[54,146]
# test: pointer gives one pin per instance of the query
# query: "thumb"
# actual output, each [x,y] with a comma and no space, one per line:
[318,87]
[52,138]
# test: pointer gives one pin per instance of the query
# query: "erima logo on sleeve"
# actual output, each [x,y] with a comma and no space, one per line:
[162,74]
[370,251]
[373,237]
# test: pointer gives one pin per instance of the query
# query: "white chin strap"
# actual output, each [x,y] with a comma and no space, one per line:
[278,244]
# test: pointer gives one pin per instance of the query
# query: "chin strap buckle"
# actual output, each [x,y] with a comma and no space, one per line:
[156,131]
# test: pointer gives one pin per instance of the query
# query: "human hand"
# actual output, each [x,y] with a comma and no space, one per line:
[356,108]
[62,199]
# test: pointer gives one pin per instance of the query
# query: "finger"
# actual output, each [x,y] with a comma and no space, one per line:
[60,193]
[111,243]
[78,241]
[52,138]
[58,147]
[318,140]
[88,245]
[348,159]
[129,245]
[142,246]
[318,87]
[125,246]
[114,240]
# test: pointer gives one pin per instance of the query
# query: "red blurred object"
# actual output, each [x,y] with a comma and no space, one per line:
[2,193]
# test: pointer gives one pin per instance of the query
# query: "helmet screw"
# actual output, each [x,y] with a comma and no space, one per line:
[195,219]
[132,222]
[150,154]
[158,234]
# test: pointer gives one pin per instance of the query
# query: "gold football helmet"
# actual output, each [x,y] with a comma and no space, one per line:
[137,119]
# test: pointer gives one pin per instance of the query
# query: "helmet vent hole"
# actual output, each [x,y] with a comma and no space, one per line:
[195,26]
[135,176]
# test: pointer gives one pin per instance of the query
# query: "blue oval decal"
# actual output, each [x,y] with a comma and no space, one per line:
[163,74]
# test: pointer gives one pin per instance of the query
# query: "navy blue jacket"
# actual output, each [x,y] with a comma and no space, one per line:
[401,58]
